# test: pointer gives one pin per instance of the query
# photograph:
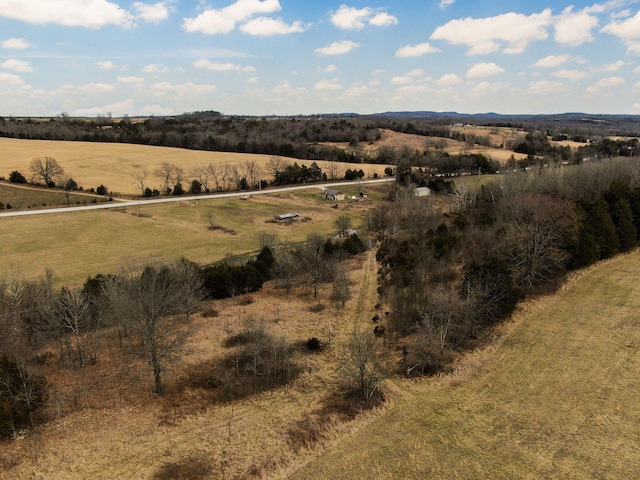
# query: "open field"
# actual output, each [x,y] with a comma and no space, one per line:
[76,245]
[116,165]
[555,396]
[399,140]
[22,197]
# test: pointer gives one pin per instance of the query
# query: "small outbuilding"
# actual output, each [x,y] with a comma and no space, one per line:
[422,192]
[286,217]
[333,195]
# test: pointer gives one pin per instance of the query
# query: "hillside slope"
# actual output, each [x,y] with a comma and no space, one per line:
[554,397]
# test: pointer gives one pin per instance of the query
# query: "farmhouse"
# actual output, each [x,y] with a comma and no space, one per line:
[286,217]
[422,192]
[333,194]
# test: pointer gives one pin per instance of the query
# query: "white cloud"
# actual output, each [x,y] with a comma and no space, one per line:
[349,18]
[571,74]
[636,70]
[16,65]
[327,69]
[410,91]
[636,88]
[327,85]
[383,19]
[485,88]
[628,31]
[253,80]
[636,108]
[410,77]
[605,85]
[338,48]
[285,88]
[70,13]
[483,69]
[220,67]
[86,89]
[184,90]
[543,87]
[154,68]
[448,80]
[446,3]
[131,80]
[552,61]
[358,91]
[156,110]
[574,28]
[487,35]
[610,67]
[9,79]
[224,20]
[117,109]
[151,13]
[15,43]
[267,27]
[416,50]
[106,65]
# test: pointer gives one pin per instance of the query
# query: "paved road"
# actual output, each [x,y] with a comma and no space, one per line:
[184,198]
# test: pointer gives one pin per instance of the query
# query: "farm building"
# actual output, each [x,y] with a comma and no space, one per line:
[333,194]
[422,192]
[284,217]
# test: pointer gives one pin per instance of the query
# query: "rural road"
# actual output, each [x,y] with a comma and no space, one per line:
[183,198]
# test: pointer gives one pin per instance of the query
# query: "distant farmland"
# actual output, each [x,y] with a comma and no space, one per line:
[116,165]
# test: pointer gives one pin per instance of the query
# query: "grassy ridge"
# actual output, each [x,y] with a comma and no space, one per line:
[554,397]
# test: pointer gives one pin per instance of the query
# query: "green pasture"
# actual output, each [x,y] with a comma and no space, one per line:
[555,396]
[27,197]
[76,245]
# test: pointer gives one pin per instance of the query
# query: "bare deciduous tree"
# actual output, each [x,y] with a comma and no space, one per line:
[463,196]
[342,223]
[365,366]
[157,302]
[165,173]
[141,180]
[203,173]
[251,171]
[341,291]
[46,168]
[72,314]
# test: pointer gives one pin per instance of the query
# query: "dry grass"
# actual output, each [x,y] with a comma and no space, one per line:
[555,396]
[116,165]
[118,430]
[498,136]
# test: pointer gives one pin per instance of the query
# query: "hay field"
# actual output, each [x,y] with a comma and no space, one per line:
[556,396]
[398,140]
[115,165]
[76,245]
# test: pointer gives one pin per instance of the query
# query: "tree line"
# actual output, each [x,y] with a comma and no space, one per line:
[447,278]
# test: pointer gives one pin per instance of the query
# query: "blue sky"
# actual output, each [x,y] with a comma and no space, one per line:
[262,57]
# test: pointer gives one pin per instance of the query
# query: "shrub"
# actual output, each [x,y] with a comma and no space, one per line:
[101,190]
[17,177]
[314,344]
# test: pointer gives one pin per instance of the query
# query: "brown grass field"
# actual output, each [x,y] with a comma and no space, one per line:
[116,165]
[552,395]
